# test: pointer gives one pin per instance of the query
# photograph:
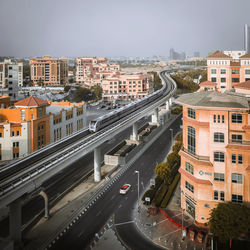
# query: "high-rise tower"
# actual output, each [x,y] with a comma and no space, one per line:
[247,38]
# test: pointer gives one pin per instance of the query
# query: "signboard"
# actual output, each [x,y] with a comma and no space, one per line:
[147,199]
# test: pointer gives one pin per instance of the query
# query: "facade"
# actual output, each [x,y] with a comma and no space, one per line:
[126,87]
[91,70]
[49,71]
[215,157]
[247,38]
[227,71]
[65,119]
[33,123]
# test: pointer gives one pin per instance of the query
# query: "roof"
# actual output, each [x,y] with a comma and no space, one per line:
[207,83]
[235,64]
[243,85]
[213,99]
[246,56]
[218,54]
[31,102]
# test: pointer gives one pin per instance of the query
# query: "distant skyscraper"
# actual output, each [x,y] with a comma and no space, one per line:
[247,38]
[196,54]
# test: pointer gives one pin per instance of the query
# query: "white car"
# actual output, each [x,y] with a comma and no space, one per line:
[124,189]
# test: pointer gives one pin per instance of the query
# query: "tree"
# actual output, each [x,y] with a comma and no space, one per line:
[97,90]
[66,88]
[228,221]
[163,170]
[82,94]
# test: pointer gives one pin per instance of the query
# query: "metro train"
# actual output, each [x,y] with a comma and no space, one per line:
[114,116]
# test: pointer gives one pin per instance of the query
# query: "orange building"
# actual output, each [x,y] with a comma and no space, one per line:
[49,71]
[215,157]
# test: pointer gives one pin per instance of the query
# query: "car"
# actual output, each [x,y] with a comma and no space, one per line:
[124,189]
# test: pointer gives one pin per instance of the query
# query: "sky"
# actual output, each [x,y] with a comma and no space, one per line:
[112,28]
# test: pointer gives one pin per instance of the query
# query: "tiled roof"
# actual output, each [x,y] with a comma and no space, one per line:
[207,83]
[31,102]
[246,56]
[218,54]
[243,85]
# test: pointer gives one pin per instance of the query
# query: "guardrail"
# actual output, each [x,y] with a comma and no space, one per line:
[197,157]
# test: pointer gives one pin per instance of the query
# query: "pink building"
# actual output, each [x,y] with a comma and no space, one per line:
[227,71]
[91,70]
[125,87]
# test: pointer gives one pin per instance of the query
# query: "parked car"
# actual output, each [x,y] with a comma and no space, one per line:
[124,189]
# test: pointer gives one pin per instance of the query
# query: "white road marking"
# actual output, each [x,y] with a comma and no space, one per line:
[98,213]
[112,197]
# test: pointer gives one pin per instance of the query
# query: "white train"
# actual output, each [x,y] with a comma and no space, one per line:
[114,116]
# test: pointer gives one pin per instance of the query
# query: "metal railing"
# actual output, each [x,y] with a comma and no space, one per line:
[239,142]
[197,157]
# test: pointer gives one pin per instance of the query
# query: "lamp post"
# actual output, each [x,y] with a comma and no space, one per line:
[137,172]
[172,135]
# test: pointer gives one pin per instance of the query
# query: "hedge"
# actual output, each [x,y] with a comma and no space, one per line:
[170,191]
[152,190]
[161,192]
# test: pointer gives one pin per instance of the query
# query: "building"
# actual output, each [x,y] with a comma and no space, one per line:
[207,86]
[126,87]
[197,54]
[173,55]
[65,119]
[33,123]
[227,71]
[11,78]
[247,38]
[215,157]
[49,71]
[235,54]
[91,70]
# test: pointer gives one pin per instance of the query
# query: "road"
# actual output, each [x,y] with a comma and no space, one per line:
[121,206]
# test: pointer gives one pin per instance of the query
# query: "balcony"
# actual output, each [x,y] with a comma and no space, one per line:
[239,142]
[197,157]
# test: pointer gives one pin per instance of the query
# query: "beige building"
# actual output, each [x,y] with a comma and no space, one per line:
[49,71]
[91,70]
[126,87]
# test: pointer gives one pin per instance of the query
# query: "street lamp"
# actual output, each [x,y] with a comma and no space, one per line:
[172,135]
[137,172]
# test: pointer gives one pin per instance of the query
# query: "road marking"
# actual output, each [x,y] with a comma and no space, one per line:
[120,206]
[112,197]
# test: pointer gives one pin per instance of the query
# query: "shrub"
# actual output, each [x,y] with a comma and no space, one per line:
[179,137]
[160,194]
[177,146]
[170,191]
[152,190]
[177,110]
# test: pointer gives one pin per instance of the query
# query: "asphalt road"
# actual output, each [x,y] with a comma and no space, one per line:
[57,185]
[83,231]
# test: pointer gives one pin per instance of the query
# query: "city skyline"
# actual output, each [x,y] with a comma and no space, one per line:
[113,28]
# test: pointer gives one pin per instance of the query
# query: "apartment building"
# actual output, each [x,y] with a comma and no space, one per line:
[126,87]
[65,119]
[5,67]
[227,71]
[49,71]
[215,157]
[33,123]
[91,70]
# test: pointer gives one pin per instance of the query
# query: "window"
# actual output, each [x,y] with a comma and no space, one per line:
[237,138]
[40,112]
[237,198]
[213,79]
[247,71]
[15,144]
[213,71]
[1,134]
[32,116]
[237,178]
[223,79]
[215,195]
[235,80]
[214,118]
[191,139]
[218,137]
[223,119]
[191,113]
[189,187]
[219,156]
[218,176]
[235,71]
[223,71]
[233,158]
[17,133]
[22,115]
[13,133]
[240,159]
[189,168]
[236,118]
[218,118]
[222,196]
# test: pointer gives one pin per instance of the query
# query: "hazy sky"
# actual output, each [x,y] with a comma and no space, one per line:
[120,27]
